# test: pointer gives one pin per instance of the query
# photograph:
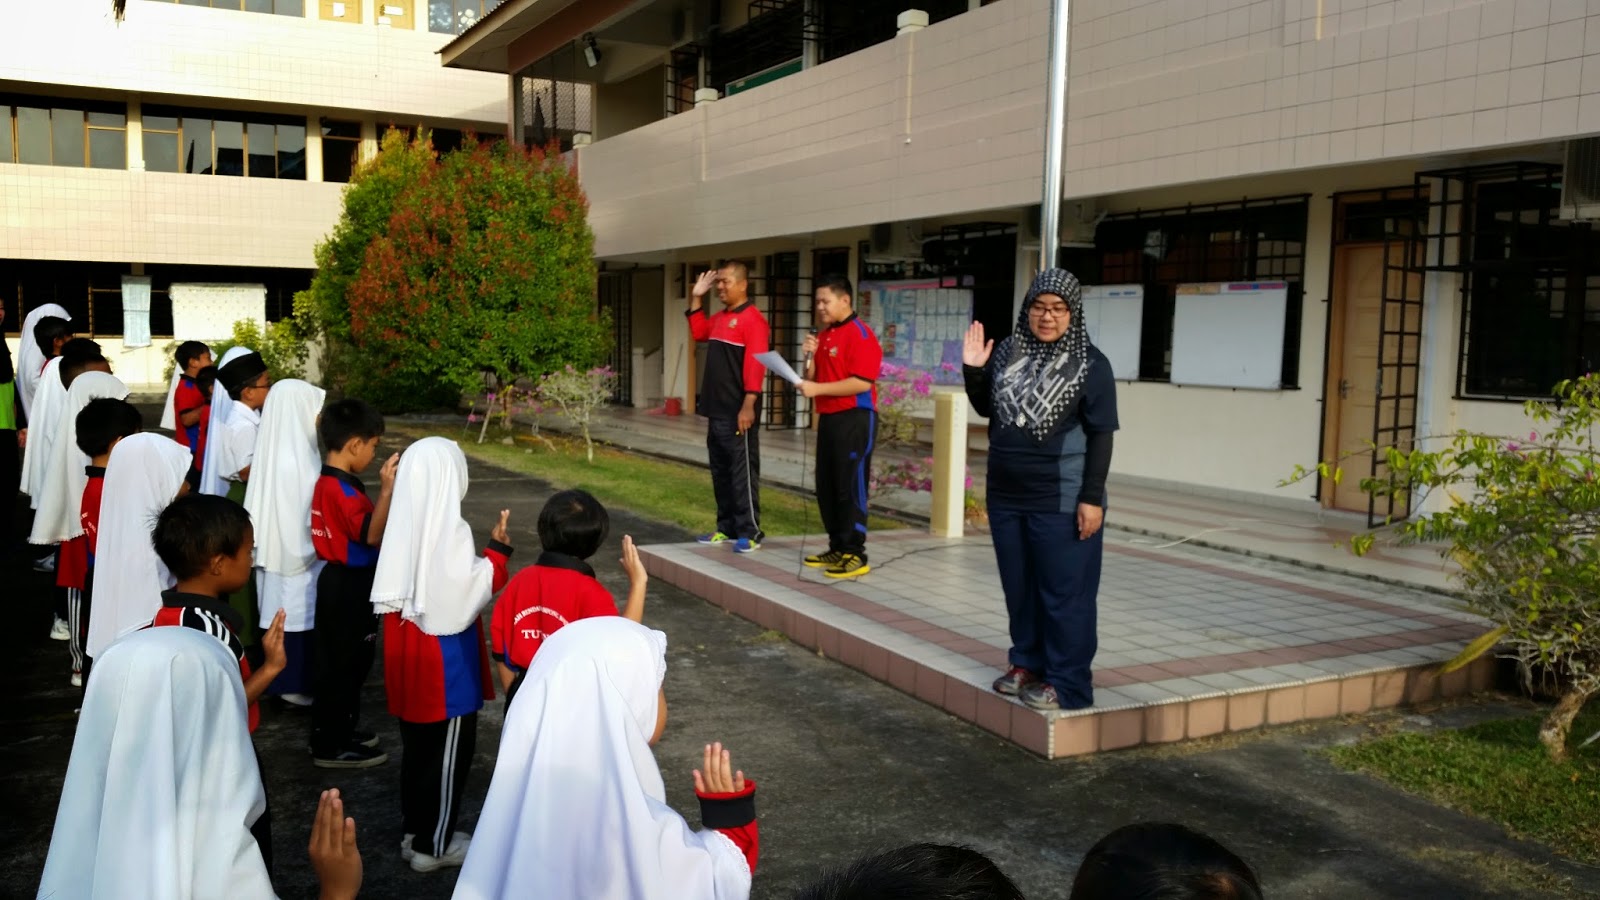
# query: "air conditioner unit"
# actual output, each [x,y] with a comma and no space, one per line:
[1079,219]
[895,242]
[1580,180]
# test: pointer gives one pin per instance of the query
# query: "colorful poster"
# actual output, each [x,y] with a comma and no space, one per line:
[921,324]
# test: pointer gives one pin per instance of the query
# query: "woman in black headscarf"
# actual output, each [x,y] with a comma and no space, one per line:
[1052,407]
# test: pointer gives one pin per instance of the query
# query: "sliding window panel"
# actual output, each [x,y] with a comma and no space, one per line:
[160,151]
[292,152]
[229,138]
[67,137]
[8,149]
[263,150]
[196,141]
[108,148]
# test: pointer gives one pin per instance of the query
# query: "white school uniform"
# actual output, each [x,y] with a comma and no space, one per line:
[30,357]
[44,425]
[61,498]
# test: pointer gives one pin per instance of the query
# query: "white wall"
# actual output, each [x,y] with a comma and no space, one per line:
[111,215]
[186,52]
[1164,92]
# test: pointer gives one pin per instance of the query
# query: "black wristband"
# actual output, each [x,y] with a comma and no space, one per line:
[502,549]
[733,812]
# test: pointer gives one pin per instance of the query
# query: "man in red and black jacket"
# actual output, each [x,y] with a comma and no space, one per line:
[730,399]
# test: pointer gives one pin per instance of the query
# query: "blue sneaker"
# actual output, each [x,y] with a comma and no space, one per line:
[746,545]
[715,537]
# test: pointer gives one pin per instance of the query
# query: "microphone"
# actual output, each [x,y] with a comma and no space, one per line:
[807,363]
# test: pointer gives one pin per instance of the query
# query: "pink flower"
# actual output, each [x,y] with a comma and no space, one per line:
[1533,437]
[473,418]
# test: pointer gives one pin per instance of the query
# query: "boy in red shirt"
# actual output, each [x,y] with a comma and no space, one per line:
[346,529]
[191,411]
[208,545]
[560,588]
[842,377]
[100,425]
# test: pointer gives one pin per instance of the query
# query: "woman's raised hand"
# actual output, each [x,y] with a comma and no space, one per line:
[974,349]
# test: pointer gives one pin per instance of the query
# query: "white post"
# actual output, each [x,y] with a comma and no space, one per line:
[910,22]
[1055,135]
[948,515]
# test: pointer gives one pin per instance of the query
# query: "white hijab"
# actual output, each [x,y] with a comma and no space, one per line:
[143,477]
[163,787]
[283,476]
[59,517]
[169,416]
[30,357]
[429,569]
[577,807]
[214,469]
[44,425]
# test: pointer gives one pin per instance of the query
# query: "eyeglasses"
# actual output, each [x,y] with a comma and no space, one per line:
[1054,312]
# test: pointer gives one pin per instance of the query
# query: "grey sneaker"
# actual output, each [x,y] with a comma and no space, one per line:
[1013,681]
[452,857]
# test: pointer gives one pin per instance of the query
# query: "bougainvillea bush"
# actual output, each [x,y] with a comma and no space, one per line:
[477,265]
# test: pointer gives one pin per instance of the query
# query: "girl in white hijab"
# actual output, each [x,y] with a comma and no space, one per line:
[577,805]
[283,475]
[60,516]
[163,785]
[44,423]
[31,357]
[145,473]
[430,589]
[215,468]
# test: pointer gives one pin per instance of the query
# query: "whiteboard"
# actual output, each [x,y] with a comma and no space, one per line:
[1114,315]
[206,312]
[1229,334]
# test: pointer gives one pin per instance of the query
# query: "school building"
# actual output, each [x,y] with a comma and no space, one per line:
[202,144]
[1312,224]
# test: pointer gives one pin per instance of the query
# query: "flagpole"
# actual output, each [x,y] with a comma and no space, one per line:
[1055,134]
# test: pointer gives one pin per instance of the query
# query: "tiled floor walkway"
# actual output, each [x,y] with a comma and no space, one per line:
[1158,515]
[1192,642]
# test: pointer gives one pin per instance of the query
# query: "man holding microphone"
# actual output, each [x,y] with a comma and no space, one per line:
[841,375]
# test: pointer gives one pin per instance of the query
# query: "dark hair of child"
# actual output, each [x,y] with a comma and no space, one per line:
[77,355]
[573,522]
[205,380]
[47,330]
[1165,861]
[838,284]
[197,528]
[188,352]
[103,420]
[346,420]
[921,871]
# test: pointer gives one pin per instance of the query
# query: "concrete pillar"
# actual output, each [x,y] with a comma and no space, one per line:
[369,139]
[313,148]
[948,516]
[702,96]
[135,130]
[910,21]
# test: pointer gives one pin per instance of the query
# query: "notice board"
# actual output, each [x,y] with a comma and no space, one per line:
[920,323]
[1114,315]
[1229,334]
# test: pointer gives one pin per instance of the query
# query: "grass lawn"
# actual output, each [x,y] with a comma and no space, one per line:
[656,489]
[1499,771]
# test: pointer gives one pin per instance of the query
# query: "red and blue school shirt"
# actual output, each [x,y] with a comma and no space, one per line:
[733,338]
[77,555]
[186,399]
[431,678]
[213,617]
[341,517]
[556,590]
[848,349]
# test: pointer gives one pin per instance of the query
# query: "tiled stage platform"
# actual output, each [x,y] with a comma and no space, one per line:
[1193,643]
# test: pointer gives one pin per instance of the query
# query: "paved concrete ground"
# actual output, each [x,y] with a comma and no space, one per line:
[846,764]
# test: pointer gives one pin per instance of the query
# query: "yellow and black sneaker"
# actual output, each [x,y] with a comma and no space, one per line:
[824,560]
[850,566]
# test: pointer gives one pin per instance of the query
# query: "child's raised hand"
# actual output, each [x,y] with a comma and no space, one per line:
[272,645]
[334,853]
[631,563]
[718,776]
[386,474]
[500,533]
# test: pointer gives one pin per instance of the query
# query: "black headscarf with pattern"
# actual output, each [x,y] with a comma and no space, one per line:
[1037,385]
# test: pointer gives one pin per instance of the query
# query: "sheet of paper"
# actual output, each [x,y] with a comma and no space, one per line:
[778,366]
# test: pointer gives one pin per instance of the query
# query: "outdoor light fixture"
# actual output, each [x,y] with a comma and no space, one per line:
[591,51]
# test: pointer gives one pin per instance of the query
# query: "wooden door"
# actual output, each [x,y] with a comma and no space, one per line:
[1354,381]
[1354,348]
